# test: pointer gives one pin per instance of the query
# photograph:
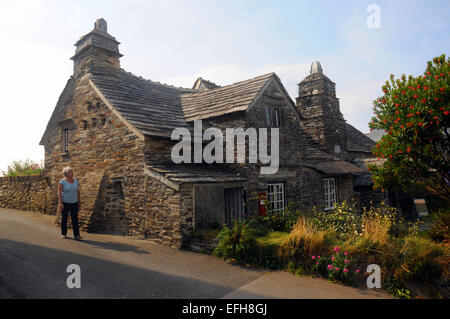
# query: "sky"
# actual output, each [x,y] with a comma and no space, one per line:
[175,42]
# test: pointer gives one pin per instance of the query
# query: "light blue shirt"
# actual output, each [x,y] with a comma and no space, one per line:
[70,191]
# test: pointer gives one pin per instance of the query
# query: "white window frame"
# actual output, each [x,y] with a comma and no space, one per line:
[330,192]
[276,197]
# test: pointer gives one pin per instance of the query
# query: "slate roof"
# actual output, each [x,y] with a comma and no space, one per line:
[204,85]
[223,100]
[375,135]
[336,167]
[173,175]
[357,141]
[156,109]
[153,108]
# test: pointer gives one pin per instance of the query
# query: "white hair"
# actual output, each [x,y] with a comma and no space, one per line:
[66,170]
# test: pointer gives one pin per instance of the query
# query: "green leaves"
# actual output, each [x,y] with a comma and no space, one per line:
[415,114]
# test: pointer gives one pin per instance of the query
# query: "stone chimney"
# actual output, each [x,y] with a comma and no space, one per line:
[95,50]
[319,106]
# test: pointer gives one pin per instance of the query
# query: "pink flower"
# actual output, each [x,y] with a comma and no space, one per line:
[317,262]
[345,270]
[313,257]
[357,271]
[345,253]
[337,268]
[333,258]
[318,257]
[336,249]
[346,261]
[330,267]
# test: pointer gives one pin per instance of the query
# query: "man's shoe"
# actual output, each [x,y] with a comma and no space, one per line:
[78,237]
[63,236]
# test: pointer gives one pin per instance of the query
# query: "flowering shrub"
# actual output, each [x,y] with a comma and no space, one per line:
[338,266]
[23,168]
[343,219]
[414,112]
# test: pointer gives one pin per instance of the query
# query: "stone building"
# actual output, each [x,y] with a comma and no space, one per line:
[114,129]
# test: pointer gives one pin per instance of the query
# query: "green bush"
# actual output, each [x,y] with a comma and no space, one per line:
[23,168]
[282,220]
[410,264]
[237,243]
[439,232]
[421,260]
[343,220]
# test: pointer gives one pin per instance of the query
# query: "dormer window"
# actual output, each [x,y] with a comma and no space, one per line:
[273,116]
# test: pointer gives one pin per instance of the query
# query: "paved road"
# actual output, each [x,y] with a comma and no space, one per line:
[33,261]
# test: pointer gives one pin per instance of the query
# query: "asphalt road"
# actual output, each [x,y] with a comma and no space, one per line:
[33,262]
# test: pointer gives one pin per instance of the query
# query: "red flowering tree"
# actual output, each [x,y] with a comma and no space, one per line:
[415,114]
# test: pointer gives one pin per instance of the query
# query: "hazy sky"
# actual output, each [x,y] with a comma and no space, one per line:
[224,41]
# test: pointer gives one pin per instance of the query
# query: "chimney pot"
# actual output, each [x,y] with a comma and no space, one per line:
[101,25]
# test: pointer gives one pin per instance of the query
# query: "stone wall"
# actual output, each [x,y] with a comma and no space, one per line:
[108,160]
[322,118]
[32,193]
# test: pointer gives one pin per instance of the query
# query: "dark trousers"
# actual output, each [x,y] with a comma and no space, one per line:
[73,208]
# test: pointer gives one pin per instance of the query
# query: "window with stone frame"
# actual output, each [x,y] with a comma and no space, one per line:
[66,139]
[330,190]
[276,197]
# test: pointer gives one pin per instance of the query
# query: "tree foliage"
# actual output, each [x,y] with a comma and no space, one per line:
[415,114]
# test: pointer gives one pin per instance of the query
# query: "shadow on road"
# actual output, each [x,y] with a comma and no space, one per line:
[115,246]
[30,271]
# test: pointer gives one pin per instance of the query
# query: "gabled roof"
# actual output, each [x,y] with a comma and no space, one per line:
[204,85]
[151,107]
[58,112]
[357,141]
[376,134]
[223,100]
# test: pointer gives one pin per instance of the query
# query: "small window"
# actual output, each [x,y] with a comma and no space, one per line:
[66,139]
[94,122]
[277,118]
[330,193]
[85,125]
[275,197]
[273,117]
[268,121]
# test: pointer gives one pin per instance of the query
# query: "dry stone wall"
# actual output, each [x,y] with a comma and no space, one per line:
[32,193]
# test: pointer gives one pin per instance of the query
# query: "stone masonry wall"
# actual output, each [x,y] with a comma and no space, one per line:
[108,160]
[32,193]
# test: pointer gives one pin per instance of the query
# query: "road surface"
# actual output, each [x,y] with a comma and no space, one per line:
[34,259]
